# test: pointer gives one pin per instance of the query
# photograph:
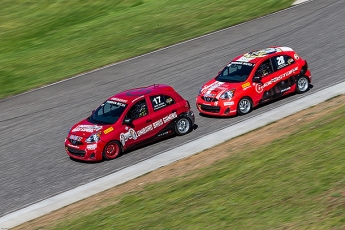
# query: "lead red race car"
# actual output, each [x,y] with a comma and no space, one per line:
[252,79]
[127,120]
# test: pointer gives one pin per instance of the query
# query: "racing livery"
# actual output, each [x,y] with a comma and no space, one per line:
[128,119]
[252,79]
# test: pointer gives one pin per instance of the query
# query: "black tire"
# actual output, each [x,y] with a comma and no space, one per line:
[302,84]
[244,106]
[112,150]
[182,126]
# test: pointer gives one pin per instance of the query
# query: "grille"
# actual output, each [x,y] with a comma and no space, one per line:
[209,99]
[76,152]
[75,142]
[209,108]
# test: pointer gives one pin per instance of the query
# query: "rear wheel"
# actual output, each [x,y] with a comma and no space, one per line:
[182,126]
[112,150]
[302,84]
[244,106]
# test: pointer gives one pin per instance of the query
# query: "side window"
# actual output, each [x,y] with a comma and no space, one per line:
[264,69]
[138,110]
[161,101]
[281,61]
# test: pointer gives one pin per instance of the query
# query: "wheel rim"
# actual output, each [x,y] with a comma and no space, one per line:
[183,125]
[112,150]
[244,105]
[302,84]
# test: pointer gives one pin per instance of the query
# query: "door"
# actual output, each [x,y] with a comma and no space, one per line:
[137,126]
[264,86]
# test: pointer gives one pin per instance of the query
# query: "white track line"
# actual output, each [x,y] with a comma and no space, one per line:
[297,2]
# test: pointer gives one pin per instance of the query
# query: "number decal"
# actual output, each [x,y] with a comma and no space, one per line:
[280,60]
[157,100]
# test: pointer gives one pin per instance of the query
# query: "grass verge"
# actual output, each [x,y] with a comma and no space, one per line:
[45,41]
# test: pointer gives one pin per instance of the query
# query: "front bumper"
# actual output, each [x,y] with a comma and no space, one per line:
[85,152]
[217,108]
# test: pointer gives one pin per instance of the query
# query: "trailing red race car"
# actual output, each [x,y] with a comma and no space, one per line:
[129,119]
[252,79]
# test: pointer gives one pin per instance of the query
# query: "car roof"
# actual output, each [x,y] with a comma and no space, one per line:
[258,55]
[136,93]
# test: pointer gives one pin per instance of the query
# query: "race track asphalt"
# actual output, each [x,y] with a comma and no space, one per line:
[34,165]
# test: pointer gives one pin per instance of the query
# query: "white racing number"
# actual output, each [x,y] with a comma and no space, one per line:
[280,60]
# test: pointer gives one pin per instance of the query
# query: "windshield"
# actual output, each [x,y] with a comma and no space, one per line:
[235,72]
[108,113]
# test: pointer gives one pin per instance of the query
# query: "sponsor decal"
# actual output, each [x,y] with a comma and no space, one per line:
[118,99]
[229,103]
[91,147]
[165,133]
[87,128]
[132,134]
[169,117]
[259,87]
[145,130]
[246,85]
[241,63]
[108,130]
[74,146]
[157,123]
[211,87]
[117,103]
[169,100]
[262,53]
[283,90]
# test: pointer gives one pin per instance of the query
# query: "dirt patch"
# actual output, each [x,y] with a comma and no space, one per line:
[183,167]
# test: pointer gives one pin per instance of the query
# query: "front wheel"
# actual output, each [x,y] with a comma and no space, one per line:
[302,84]
[182,126]
[244,106]
[112,150]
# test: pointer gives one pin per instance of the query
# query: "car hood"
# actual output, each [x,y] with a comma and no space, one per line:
[215,89]
[85,128]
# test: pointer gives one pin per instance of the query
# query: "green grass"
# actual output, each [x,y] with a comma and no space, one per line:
[293,183]
[45,41]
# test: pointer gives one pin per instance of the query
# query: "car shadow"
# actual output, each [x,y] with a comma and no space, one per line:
[85,162]
[257,107]
[153,142]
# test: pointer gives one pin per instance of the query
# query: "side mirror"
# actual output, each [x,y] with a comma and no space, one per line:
[127,121]
[257,79]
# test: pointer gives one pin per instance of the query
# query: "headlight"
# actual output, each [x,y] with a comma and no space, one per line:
[94,138]
[227,94]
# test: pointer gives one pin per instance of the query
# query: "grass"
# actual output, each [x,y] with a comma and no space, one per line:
[45,41]
[292,183]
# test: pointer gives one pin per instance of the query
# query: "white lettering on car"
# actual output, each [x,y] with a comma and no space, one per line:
[87,128]
[259,87]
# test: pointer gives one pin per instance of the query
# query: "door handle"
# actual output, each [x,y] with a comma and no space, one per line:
[174,111]
[149,120]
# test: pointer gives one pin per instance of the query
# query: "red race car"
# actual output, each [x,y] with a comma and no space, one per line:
[252,79]
[129,119]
